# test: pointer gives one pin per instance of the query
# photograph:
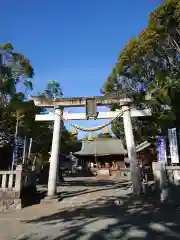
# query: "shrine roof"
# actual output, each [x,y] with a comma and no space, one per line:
[102,147]
[106,146]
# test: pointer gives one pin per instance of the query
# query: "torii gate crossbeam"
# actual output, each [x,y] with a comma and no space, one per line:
[101,115]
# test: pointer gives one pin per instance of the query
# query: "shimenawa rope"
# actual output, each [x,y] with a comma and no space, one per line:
[92,129]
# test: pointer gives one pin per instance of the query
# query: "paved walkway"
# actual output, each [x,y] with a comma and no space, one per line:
[90,211]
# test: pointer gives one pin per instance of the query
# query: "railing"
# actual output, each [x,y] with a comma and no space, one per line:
[7,180]
[16,186]
[168,169]
[125,173]
[17,179]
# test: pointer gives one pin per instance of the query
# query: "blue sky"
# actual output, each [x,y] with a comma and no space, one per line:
[75,42]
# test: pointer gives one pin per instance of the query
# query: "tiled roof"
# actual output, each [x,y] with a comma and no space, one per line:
[106,146]
[102,146]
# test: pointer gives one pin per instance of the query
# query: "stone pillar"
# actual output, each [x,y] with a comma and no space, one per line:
[54,160]
[164,191]
[131,148]
[160,178]
[19,180]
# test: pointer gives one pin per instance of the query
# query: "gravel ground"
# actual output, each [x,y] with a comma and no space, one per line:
[92,210]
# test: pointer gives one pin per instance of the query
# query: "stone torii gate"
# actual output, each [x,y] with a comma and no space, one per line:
[91,104]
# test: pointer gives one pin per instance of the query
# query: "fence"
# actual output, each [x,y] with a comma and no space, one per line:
[13,183]
[125,173]
[169,170]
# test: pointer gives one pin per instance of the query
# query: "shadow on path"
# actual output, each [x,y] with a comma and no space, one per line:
[33,199]
[69,194]
[103,219]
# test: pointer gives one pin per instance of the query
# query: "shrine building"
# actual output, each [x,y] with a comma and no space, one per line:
[107,155]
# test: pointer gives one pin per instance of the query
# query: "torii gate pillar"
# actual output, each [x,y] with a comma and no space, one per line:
[124,101]
[131,148]
[54,160]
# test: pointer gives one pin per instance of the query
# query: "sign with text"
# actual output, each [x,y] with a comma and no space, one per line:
[173,145]
[162,157]
[91,108]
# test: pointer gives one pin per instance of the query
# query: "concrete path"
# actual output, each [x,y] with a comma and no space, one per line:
[88,211]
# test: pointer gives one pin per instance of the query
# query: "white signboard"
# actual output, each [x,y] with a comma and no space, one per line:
[173,145]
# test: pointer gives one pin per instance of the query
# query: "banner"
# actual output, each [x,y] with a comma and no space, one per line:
[162,157]
[15,153]
[173,145]
[24,151]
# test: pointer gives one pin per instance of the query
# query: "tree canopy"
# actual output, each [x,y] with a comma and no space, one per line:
[16,69]
[150,62]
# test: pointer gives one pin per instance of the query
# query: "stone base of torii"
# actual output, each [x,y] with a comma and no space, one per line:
[61,103]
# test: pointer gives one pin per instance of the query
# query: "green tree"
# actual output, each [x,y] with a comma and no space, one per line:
[15,68]
[53,90]
[150,63]
[69,142]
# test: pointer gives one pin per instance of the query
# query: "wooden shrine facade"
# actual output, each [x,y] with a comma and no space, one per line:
[107,155]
